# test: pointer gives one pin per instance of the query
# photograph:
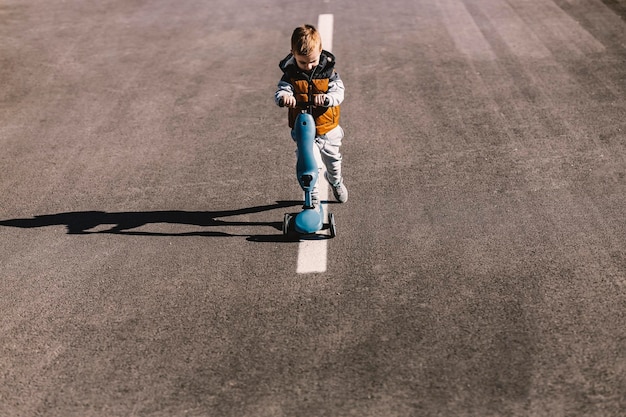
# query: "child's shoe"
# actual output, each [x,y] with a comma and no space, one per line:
[340,192]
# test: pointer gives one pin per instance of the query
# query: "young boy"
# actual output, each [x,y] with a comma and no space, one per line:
[310,70]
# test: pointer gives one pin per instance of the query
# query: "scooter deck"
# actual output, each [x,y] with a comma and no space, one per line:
[327,230]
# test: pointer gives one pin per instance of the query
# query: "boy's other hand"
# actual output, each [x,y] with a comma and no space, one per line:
[289,101]
[320,100]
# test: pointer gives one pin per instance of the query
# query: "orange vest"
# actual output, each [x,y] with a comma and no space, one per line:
[326,118]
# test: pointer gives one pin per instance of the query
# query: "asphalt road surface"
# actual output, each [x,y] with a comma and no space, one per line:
[479,267]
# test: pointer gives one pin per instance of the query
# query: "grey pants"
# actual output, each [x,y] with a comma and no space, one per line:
[329,145]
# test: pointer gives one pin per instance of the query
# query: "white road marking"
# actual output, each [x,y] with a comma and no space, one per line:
[325,28]
[312,254]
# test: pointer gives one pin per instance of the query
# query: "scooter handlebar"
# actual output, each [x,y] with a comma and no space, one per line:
[299,104]
[304,105]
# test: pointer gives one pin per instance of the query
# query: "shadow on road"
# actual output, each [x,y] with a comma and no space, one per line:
[84,222]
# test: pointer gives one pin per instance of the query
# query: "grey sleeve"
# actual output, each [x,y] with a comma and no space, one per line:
[284,89]
[336,90]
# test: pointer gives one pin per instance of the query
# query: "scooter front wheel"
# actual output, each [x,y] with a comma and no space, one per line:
[331,222]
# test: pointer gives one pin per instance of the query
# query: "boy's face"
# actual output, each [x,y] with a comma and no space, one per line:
[307,62]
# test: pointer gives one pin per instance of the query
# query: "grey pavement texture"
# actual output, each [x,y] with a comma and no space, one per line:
[479,267]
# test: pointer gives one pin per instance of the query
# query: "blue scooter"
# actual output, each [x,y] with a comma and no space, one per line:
[311,219]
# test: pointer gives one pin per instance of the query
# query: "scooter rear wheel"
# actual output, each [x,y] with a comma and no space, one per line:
[333,227]
[287,224]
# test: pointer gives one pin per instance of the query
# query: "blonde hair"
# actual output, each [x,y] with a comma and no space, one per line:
[305,40]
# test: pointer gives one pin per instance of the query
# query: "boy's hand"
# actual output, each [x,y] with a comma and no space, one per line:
[289,101]
[320,100]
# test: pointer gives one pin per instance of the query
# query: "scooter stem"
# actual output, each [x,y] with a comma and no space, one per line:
[310,219]
[306,166]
